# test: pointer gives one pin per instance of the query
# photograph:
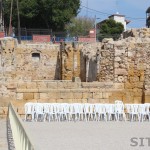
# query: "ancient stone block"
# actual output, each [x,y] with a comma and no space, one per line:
[128,99]
[19,96]
[31,85]
[137,100]
[121,78]
[54,95]
[139,85]
[119,85]
[52,85]
[28,96]
[77,95]
[60,100]
[134,79]
[1,111]
[97,95]
[21,110]
[129,85]
[42,85]
[36,96]
[147,98]
[52,100]
[22,85]
[117,59]
[85,95]
[44,96]
[27,90]
[105,95]
[91,100]
[121,72]
[12,85]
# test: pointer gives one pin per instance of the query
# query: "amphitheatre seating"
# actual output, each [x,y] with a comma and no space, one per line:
[87,112]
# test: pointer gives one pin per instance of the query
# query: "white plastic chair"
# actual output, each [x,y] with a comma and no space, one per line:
[100,112]
[110,109]
[39,111]
[62,114]
[81,111]
[29,110]
[144,112]
[74,111]
[128,111]
[119,110]
[67,112]
[46,110]
[91,111]
[86,112]
[53,112]
[134,114]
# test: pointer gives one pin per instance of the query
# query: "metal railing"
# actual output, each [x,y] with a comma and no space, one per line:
[20,136]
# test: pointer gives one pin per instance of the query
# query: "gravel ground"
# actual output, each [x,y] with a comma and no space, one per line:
[89,135]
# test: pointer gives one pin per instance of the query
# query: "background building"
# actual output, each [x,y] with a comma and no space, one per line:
[118,18]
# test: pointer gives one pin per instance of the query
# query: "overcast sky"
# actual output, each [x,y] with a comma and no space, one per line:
[133,9]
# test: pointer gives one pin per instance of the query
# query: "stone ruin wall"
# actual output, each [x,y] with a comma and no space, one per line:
[126,63]
[25,62]
[109,70]
[29,61]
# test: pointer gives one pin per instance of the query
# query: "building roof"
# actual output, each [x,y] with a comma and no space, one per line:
[127,21]
[116,15]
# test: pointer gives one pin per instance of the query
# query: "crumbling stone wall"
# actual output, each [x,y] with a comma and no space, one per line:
[70,61]
[29,61]
[109,70]
[124,62]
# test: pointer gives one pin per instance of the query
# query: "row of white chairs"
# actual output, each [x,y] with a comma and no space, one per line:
[79,111]
[140,112]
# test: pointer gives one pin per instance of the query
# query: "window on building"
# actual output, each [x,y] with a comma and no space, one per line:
[35,57]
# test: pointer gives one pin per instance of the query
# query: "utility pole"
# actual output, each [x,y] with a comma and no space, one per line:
[19,32]
[87,5]
[96,27]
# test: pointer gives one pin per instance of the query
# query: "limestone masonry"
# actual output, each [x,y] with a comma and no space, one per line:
[78,72]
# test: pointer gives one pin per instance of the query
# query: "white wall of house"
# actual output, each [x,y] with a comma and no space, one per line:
[120,19]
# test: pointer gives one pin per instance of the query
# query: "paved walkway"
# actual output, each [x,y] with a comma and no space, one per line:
[3,135]
[89,135]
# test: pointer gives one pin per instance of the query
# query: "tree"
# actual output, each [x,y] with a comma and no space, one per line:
[51,14]
[80,26]
[110,29]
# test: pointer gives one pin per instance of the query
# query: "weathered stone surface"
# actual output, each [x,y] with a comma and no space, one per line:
[121,72]
[52,85]
[28,96]
[44,96]
[121,65]
[119,85]
[1,111]
[19,96]
[36,96]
